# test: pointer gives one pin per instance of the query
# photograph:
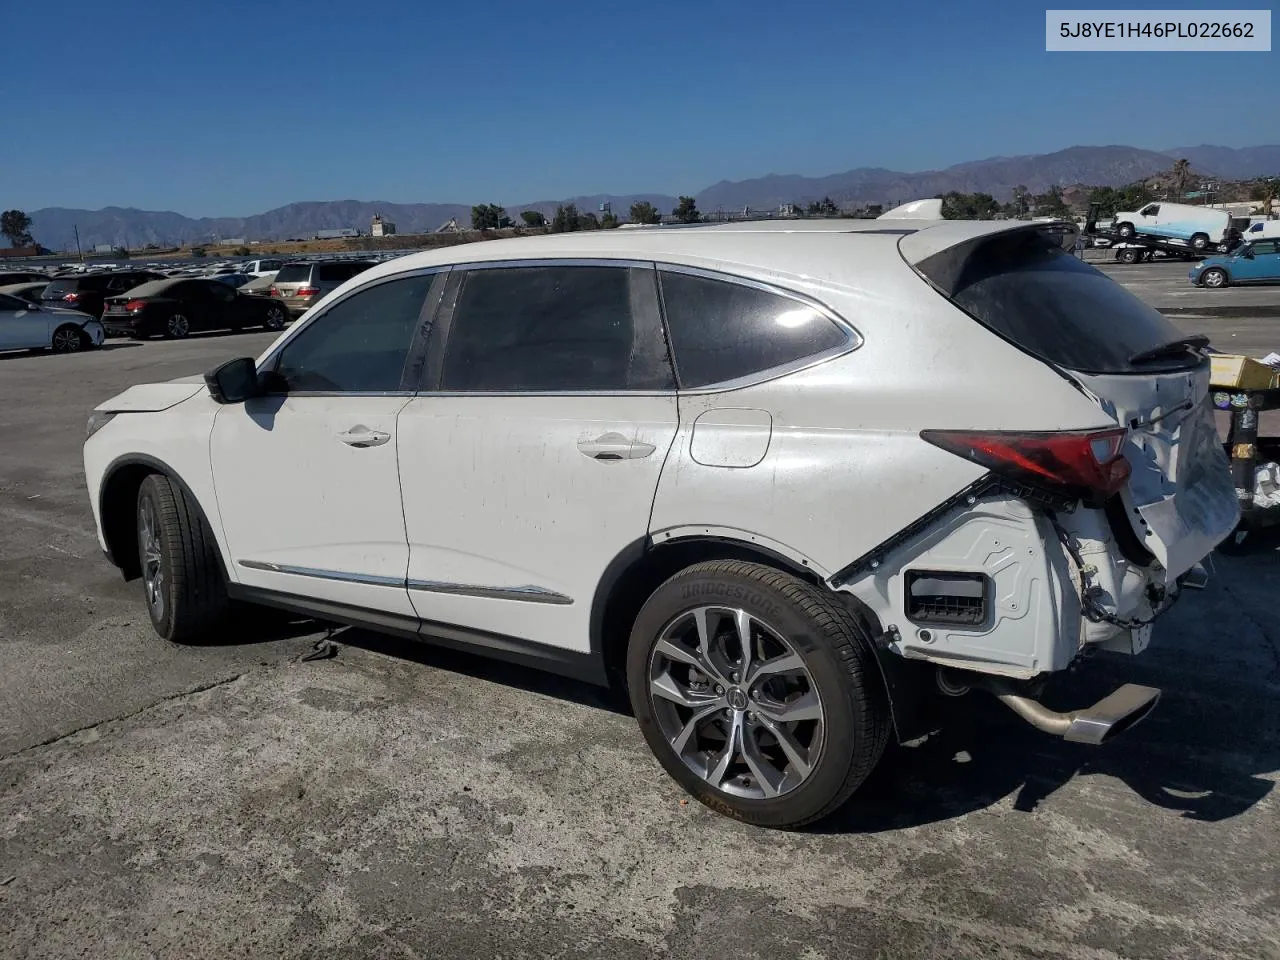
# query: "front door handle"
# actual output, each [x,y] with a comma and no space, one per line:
[362,436]
[614,446]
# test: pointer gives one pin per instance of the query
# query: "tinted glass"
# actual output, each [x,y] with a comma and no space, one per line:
[339,272]
[359,344]
[12,303]
[294,273]
[1264,246]
[57,288]
[1030,291]
[721,330]
[556,329]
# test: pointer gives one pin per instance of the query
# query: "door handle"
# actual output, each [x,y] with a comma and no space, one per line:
[362,436]
[614,446]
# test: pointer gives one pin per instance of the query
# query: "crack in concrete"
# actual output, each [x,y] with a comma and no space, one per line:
[57,738]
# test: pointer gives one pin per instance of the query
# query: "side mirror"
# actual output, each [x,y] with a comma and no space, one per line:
[233,382]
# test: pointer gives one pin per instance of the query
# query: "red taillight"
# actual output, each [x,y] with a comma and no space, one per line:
[273,292]
[133,306]
[1084,462]
[306,291]
[71,297]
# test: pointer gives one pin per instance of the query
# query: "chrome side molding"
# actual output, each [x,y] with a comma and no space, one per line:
[528,593]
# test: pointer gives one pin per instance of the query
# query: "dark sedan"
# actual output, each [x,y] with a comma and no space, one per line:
[175,308]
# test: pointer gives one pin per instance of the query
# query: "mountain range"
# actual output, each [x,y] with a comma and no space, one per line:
[1095,166]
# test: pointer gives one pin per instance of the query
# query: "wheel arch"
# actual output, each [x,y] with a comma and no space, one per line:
[116,508]
[645,564]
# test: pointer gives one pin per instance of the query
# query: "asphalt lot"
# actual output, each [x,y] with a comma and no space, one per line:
[398,800]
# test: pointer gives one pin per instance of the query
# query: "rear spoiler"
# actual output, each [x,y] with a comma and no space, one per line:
[939,253]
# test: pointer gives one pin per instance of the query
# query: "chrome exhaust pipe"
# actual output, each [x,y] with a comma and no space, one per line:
[1109,717]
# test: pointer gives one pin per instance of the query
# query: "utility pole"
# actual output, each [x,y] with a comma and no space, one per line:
[79,252]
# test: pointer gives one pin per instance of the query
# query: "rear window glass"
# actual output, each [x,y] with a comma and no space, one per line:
[294,273]
[1030,291]
[56,289]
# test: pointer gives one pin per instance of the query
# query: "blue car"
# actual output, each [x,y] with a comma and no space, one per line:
[1257,262]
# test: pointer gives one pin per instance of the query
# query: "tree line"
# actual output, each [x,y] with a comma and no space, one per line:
[568,218]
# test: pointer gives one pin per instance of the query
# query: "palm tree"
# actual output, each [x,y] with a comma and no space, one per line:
[1181,177]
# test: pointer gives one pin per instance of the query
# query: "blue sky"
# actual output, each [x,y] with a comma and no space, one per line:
[232,108]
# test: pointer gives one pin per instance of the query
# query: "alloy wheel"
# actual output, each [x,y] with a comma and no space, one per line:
[178,326]
[66,340]
[1215,278]
[152,557]
[275,319]
[736,702]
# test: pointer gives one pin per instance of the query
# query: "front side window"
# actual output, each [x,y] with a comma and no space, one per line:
[722,330]
[1151,210]
[360,344]
[556,329]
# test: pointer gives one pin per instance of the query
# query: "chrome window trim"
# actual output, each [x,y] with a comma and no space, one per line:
[529,593]
[307,319]
[621,262]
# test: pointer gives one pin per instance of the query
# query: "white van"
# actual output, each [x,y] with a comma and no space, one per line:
[1263,230]
[1197,227]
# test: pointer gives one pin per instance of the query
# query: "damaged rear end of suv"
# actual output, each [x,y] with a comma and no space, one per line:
[1076,533]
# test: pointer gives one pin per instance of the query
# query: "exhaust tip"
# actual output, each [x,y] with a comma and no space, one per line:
[1111,716]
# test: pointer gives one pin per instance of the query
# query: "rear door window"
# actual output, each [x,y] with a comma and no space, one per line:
[1024,287]
[557,329]
[723,330]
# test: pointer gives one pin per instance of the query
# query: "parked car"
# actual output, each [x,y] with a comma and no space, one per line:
[87,292]
[1199,227]
[1263,230]
[31,292]
[176,308]
[32,326]
[262,268]
[8,277]
[299,285]
[1254,262]
[783,486]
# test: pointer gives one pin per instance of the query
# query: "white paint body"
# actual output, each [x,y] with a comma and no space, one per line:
[484,513]
[25,326]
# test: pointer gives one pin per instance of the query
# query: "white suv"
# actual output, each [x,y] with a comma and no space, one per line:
[779,480]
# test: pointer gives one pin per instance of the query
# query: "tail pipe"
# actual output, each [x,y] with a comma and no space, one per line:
[1111,716]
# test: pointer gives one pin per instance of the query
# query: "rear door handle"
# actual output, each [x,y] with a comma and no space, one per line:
[614,446]
[361,436]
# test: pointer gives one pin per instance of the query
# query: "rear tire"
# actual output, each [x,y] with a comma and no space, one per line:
[68,338]
[1127,256]
[177,327]
[182,581]
[1214,279]
[721,729]
[275,318]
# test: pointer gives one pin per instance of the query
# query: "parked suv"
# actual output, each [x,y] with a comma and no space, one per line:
[300,285]
[783,485]
[88,292]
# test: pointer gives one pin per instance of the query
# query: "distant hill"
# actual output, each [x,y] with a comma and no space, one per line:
[1096,166]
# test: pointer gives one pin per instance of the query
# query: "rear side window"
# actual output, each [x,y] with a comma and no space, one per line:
[294,273]
[360,344]
[1026,288]
[723,331]
[557,329]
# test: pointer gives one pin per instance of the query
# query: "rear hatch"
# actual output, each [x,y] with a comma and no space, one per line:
[59,288]
[1144,373]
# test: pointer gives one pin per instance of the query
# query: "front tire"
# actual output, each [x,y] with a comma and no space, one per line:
[1127,256]
[1214,279]
[1125,230]
[182,581]
[757,692]
[1200,242]
[68,338]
